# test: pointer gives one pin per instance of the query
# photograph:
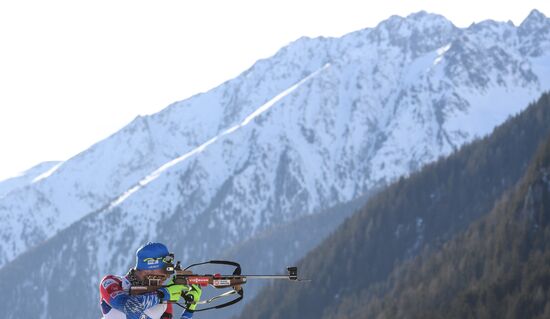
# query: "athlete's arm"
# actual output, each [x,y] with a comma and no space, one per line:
[112,292]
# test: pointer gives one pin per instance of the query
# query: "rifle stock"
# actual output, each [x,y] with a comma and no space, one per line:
[187,278]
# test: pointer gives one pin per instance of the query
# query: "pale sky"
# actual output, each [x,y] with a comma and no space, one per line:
[73,72]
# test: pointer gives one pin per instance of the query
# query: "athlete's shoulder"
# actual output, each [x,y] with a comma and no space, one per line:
[111,286]
[111,280]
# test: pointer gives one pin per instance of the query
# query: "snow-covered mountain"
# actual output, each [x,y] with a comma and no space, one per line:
[30,176]
[321,123]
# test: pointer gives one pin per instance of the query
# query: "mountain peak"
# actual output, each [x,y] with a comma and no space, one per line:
[534,20]
[423,19]
[418,33]
[424,15]
[536,15]
[429,19]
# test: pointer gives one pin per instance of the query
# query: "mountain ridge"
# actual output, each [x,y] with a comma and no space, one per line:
[27,177]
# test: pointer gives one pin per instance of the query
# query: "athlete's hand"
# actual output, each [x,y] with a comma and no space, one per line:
[192,296]
[172,292]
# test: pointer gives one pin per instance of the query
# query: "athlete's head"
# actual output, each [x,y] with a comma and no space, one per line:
[151,262]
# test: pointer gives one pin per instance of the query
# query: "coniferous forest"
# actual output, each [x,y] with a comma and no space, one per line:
[498,268]
[465,237]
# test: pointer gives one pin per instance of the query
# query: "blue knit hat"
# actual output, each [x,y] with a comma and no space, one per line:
[150,256]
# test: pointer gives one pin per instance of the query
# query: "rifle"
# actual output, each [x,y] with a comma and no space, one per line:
[233,281]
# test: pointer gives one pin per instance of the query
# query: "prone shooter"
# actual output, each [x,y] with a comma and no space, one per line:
[143,293]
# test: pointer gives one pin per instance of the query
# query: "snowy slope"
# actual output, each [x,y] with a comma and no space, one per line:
[334,134]
[92,179]
[28,177]
[320,123]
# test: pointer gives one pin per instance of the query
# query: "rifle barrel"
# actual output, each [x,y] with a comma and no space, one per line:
[267,276]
